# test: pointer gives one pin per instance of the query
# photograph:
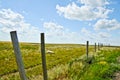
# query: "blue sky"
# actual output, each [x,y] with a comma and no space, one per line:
[62,21]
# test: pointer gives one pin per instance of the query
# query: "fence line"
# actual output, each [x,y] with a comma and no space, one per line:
[18,55]
[43,55]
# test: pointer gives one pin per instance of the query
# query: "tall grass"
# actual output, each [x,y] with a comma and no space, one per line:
[32,58]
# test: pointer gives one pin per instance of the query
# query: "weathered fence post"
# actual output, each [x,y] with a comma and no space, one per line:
[95,47]
[87,48]
[43,57]
[18,55]
[98,46]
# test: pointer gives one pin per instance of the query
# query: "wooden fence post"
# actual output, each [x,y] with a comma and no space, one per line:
[87,48]
[18,55]
[43,57]
[95,47]
[98,46]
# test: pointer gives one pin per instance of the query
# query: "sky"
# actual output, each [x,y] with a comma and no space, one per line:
[62,21]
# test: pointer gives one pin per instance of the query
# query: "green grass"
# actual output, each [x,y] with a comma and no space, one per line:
[32,58]
[104,65]
[65,64]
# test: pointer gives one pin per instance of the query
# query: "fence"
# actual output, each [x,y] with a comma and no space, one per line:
[19,61]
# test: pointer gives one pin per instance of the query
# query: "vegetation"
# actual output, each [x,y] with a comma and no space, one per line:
[103,67]
[68,62]
[32,58]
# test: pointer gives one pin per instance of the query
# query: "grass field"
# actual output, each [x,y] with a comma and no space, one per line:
[32,58]
[105,63]
[65,64]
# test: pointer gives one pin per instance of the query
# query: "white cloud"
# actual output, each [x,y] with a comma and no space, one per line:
[94,3]
[53,28]
[88,34]
[95,36]
[107,24]
[8,14]
[10,21]
[104,35]
[84,30]
[90,10]
[56,33]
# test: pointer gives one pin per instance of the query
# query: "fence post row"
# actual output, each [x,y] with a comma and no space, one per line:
[87,50]
[43,57]
[18,55]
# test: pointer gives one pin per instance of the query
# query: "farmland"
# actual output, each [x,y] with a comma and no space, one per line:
[64,64]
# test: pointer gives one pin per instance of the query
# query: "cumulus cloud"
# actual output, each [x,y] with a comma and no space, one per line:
[58,33]
[104,35]
[90,10]
[95,36]
[10,21]
[53,28]
[107,24]
[94,3]
[88,33]
[56,30]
